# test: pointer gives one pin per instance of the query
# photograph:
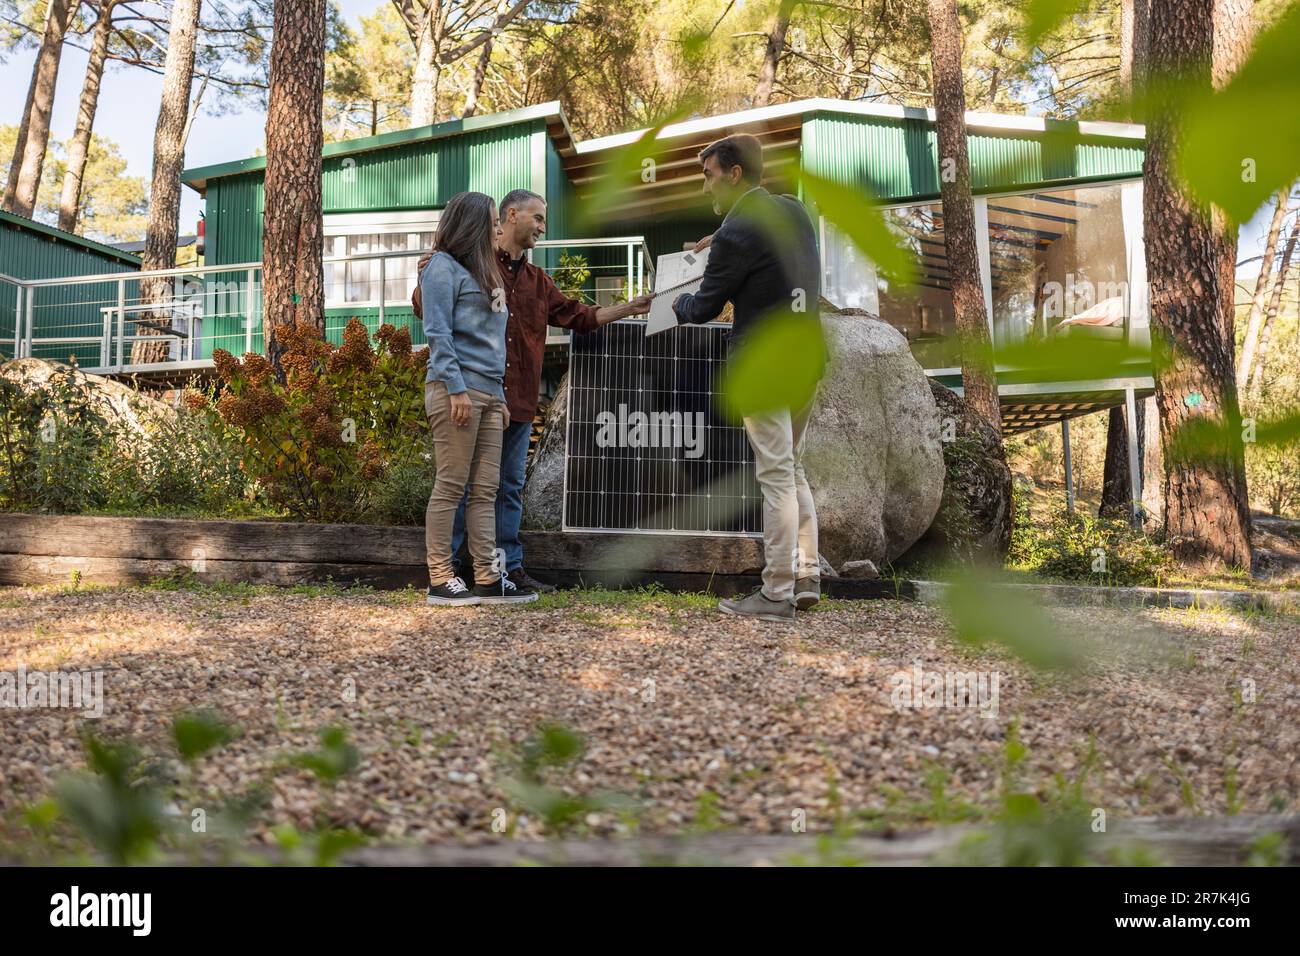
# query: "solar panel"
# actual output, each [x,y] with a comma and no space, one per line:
[647,449]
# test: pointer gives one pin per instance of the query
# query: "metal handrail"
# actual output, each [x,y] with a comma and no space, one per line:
[245,266]
[114,317]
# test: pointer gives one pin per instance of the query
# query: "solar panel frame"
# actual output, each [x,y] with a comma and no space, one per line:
[687,475]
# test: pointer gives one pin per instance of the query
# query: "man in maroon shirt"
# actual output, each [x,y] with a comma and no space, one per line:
[533,301]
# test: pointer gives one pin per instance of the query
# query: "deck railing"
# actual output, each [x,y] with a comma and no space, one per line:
[171,320]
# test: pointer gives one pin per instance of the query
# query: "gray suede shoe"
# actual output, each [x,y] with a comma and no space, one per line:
[758,605]
[807,592]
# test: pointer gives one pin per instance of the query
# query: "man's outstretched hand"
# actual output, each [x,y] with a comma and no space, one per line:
[641,304]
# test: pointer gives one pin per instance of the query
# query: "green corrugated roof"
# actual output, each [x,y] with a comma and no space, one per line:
[22,222]
[198,176]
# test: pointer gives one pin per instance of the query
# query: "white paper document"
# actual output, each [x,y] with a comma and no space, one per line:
[675,274]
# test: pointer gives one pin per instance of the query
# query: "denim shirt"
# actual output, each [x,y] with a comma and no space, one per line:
[467,339]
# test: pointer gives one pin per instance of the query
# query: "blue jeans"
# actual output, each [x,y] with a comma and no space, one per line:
[510,497]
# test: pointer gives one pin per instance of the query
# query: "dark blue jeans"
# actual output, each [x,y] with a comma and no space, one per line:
[510,498]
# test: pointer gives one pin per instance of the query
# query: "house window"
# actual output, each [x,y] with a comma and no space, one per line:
[1067,261]
[1055,261]
[922,312]
[403,236]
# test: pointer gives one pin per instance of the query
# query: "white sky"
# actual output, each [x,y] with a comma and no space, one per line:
[128,111]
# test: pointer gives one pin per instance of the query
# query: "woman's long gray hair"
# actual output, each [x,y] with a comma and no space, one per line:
[466,232]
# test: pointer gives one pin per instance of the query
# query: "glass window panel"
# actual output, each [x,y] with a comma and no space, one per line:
[922,312]
[1059,261]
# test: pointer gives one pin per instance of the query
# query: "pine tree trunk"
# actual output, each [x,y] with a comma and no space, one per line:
[772,53]
[292,245]
[959,238]
[29,161]
[1274,304]
[165,187]
[1135,35]
[79,147]
[1116,493]
[1206,511]
[1135,32]
[979,380]
[1234,31]
[1250,343]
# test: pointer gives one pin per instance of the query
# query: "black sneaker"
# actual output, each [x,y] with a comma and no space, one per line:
[452,593]
[521,578]
[503,591]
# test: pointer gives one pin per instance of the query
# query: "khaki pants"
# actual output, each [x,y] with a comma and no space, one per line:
[789,516]
[468,459]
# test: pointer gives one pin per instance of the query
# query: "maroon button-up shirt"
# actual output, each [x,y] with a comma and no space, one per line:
[533,301]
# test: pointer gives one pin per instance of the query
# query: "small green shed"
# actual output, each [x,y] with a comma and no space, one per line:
[32,250]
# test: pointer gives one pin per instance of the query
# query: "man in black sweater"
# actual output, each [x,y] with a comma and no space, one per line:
[763,259]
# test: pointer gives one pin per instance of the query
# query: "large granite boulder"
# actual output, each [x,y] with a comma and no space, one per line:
[974,518]
[113,401]
[544,484]
[872,450]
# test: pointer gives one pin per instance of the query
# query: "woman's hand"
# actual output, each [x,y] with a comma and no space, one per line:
[460,409]
[703,243]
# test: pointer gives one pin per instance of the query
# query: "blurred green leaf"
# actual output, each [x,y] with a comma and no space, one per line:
[1067,356]
[1044,16]
[333,760]
[776,366]
[1011,620]
[197,732]
[626,168]
[854,212]
[1241,144]
[115,807]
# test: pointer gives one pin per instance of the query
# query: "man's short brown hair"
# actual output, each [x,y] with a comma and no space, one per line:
[740,150]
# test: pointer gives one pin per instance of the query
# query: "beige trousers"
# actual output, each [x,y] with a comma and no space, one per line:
[468,459]
[789,516]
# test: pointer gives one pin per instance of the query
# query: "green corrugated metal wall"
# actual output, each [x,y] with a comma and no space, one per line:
[897,159]
[423,175]
[57,310]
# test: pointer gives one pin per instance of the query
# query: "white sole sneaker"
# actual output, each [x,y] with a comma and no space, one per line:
[510,599]
[452,602]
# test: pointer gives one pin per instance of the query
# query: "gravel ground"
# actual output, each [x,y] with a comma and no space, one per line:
[706,721]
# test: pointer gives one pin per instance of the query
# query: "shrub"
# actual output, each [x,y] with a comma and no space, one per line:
[321,440]
[402,494]
[1079,547]
[55,448]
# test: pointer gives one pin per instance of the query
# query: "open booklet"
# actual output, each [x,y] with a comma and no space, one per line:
[675,274]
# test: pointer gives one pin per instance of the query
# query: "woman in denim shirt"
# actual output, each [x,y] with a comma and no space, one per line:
[463,300]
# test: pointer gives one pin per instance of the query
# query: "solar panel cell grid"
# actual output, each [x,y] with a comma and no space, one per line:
[647,447]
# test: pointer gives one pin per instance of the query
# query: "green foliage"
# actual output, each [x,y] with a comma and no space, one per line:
[59,453]
[198,732]
[550,751]
[856,214]
[125,806]
[320,440]
[118,806]
[114,207]
[1255,111]
[571,276]
[1085,549]
[402,494]
[777,365]
[1044,16]
[334,759]
[1013,620]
